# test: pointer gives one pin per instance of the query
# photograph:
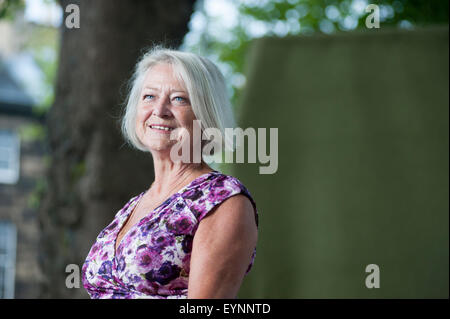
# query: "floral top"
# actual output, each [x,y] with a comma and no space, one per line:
[153,257]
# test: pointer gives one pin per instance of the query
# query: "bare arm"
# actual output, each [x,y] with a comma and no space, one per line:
[222,249]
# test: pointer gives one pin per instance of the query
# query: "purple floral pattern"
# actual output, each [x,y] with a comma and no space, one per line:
[153,258]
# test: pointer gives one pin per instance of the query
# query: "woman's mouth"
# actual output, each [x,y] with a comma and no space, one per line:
[161,128]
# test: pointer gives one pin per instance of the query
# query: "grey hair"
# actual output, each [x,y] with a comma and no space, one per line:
[203,81]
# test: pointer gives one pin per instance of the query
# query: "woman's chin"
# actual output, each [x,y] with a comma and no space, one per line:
[159,147]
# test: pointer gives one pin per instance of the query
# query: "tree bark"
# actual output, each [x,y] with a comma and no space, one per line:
[92,172]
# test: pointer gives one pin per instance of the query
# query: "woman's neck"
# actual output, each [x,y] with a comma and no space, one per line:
[170,176]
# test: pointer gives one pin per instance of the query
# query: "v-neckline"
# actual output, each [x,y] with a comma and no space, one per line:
[125,219]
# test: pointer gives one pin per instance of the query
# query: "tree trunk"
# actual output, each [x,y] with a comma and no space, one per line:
[92,172]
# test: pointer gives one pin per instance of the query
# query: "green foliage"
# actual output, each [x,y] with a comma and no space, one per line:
[8,8]
[32,132]
[43,45]
[34,199]
[294,17]
[77,171]
[312,14]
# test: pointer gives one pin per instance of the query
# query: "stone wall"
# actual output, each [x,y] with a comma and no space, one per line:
[16,207]
[362,179]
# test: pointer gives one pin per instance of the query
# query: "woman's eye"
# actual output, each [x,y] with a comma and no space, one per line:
[179,99]
[148,97]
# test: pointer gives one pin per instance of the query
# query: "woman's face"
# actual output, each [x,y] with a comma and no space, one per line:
[163,102]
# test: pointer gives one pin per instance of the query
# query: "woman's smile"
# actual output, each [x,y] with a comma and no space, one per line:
[162,129]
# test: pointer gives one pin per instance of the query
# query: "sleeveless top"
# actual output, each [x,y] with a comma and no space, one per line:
[153,257]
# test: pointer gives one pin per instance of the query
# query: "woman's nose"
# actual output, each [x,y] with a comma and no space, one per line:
[162,107]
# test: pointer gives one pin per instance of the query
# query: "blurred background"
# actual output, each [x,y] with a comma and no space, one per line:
[362,118]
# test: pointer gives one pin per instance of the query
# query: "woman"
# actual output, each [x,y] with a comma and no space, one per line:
[193,233]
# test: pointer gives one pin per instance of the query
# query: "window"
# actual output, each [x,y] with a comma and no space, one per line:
[7,259]
[9,157]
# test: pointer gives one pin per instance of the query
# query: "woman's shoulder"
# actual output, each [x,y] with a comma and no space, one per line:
[213,182]
[212,190]
[233,184]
